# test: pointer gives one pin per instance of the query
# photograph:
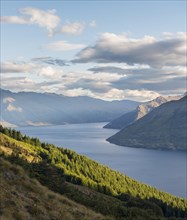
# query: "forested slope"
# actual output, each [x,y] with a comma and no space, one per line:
[87,181]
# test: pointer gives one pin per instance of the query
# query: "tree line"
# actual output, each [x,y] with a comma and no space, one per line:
[80,170]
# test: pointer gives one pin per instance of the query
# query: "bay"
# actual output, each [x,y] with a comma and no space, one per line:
[165,170]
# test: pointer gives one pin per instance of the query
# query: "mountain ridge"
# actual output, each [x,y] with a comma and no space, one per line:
[163,128]
[53,109]
[141,110]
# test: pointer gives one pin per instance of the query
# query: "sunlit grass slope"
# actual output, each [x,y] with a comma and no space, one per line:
[56,167]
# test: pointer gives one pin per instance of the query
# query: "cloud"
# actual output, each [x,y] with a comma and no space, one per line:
[78,92]
[114,94]
[51,61]
[138,95]
[120,69]
[45,19]
[27,84]
[89,84]
[7,124]
[13,67]
[111,81]
[46,71]
[158,80]
[15,20]
[63,46]
[11,108]
[75,28]
[147,50]
[37,123]
[50,72]
[8,100]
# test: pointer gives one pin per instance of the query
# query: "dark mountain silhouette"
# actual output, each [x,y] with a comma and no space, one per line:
[143,109]
[164,127]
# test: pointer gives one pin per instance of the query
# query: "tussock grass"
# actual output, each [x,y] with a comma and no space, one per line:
[25,198]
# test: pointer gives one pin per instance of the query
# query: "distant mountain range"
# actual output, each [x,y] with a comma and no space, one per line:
[143,109]
[40,109]
[164,127]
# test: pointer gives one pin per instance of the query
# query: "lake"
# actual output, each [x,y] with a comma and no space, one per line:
[166,170]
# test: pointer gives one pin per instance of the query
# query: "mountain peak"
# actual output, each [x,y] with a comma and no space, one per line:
[142,110]
[164,127]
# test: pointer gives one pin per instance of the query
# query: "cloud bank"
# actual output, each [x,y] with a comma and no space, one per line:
[147,50]
[48,20]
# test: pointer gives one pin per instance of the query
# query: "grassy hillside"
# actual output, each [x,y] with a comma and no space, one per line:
[88,182]
[164,127]
[25,198]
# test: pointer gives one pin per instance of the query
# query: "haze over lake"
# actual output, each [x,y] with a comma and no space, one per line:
[165,170]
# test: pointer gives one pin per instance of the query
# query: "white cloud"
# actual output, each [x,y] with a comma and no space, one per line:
[75,28]
[141,95]
[37,123]
[50,72]
[27,84]
[64,46]
[167,35]
[15,20]
[78,92]
[147,50]
[114,94]
[8,100]
[43,70]
[86,76]
[7,124]
[11,108]
[46,19]
[13,67]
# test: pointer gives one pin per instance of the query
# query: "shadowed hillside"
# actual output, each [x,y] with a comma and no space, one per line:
[142,110]
[41,109]
[164,127]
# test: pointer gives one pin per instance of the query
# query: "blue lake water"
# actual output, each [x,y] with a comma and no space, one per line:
[165,170]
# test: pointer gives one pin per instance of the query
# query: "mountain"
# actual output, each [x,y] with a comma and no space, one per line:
[40,109]
[79,178]
[143,109]
[23,197]
[165,127]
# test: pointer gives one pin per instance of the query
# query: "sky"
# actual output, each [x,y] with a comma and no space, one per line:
[111,50]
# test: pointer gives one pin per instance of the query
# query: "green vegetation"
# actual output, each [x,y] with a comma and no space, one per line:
[25,198]
[88,182]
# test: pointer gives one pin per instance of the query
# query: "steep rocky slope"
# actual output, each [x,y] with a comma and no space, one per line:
[143,109]
[164,127]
